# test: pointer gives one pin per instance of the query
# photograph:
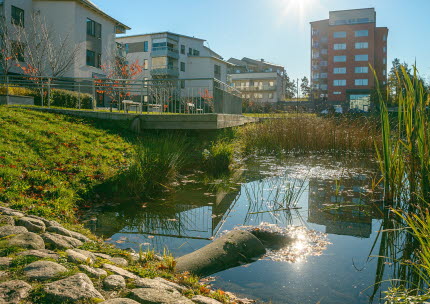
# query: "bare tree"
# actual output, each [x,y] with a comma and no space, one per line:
[8,50]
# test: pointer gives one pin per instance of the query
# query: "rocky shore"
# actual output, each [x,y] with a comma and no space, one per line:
[43,262]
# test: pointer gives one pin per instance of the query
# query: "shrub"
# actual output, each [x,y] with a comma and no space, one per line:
[218,157]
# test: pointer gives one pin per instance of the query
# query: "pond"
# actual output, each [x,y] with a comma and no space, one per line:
[334,197]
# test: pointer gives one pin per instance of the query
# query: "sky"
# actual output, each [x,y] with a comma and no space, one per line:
[277,31]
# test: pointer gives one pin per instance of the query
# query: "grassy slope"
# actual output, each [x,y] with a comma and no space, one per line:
[49,162]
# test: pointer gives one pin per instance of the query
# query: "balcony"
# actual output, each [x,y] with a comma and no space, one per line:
[165,51]
[257,89]
[166,70]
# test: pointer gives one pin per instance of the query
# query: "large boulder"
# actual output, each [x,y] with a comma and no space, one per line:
[158,283]
[80,256]
[120,301]
[57,241]
[120,271]
[14,291]
[72,289]
[11,230]
[10,212]
[93,272]
[114,282]
[233,249]
[42,253]
[69,233]
[6,220]
[43,270]
[5,262]
[158,296]
[32,224]
[204,300]
[28,240]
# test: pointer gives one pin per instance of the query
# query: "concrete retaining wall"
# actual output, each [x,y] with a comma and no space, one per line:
[16,100]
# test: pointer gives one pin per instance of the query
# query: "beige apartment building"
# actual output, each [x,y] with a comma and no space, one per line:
[87,27]
[258,80]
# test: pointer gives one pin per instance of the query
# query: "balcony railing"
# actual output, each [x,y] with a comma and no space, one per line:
[259,88]
[165,51]
[165,70]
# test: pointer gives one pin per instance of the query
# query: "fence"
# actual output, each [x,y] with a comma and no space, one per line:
[161,96]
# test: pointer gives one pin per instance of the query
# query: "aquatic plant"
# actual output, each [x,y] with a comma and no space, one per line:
[218,157]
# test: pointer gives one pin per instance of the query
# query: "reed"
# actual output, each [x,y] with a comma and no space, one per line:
[311,134]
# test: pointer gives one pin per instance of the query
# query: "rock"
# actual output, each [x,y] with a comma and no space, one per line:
[160,284]
[3,275]
[72,289]
[114,282]
[80,256]
[59,230]
[10,230]
[43,270]
[48,223]
[32,224]
[6,220]
[122,272]
[5,262]
[94,272]
[27,240]
[158,296]
[233,249]
[120,301]
[62,242]
[14,291]
[42,253]
[118,261]
[80,236]
[11,212]
[204,300]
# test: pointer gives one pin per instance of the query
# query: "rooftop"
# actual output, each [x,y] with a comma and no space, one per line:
[158,33]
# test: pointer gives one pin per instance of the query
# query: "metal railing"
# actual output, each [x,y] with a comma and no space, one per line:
[161,96]
[259,88]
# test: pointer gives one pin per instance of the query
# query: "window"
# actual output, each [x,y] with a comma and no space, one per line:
[324,39]
[361,70]
[217,71]
[323,63]
[94,29]
[17,16]
[323,87]
[145,64]
[384,72]
[384,61]
[339,71]
[324,51]
[91,58]
[339,58]
[337,93]
[127,48]
[339,46]
[182,84]
[361,45]
[384,38]
[362,33]
[196,53]
[339,83]
[18,49]
[145,46]
[385,49]
[270,95]
[360,102]
[323,75]
[361,57]
[339,35]
[182,66]
[190,51]
[271,83]
[362,82]
[182,49]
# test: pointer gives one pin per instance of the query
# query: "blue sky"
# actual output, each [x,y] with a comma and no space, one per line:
[276,30]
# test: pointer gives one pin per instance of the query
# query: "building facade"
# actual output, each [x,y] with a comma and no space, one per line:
[167,55]
[344,49]
[257,80]
[87,27]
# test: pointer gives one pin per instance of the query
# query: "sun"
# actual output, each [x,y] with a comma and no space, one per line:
[295,10]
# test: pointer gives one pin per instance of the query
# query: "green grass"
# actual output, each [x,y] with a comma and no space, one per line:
[49,163]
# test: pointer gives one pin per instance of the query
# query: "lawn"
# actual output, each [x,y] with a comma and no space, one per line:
[49,163]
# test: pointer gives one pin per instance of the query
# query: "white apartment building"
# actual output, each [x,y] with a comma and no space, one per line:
[88,28]
[257,80]
[167,55]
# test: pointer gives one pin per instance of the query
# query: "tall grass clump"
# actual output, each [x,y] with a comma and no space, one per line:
[405,161]
[311,134]
[218,157]
[156,163]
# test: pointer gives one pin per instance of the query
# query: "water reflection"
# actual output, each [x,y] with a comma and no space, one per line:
[319,193]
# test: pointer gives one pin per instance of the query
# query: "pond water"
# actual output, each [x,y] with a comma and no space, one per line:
[334,197]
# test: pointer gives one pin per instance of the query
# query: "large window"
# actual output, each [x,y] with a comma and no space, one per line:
[91,58]
[339,46]
[339,35]
[323,63]
[339,83]
[323,75]
[359,102]
[182,49]
[339,71]
[362,33]
[217,71]
[17,16]
[339,58]
[361,45]
[145,46]
[94,28]
[362,82]
[182,66]
[361,57]
[361,70]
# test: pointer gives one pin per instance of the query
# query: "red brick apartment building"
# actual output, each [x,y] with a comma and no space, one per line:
[342,48]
